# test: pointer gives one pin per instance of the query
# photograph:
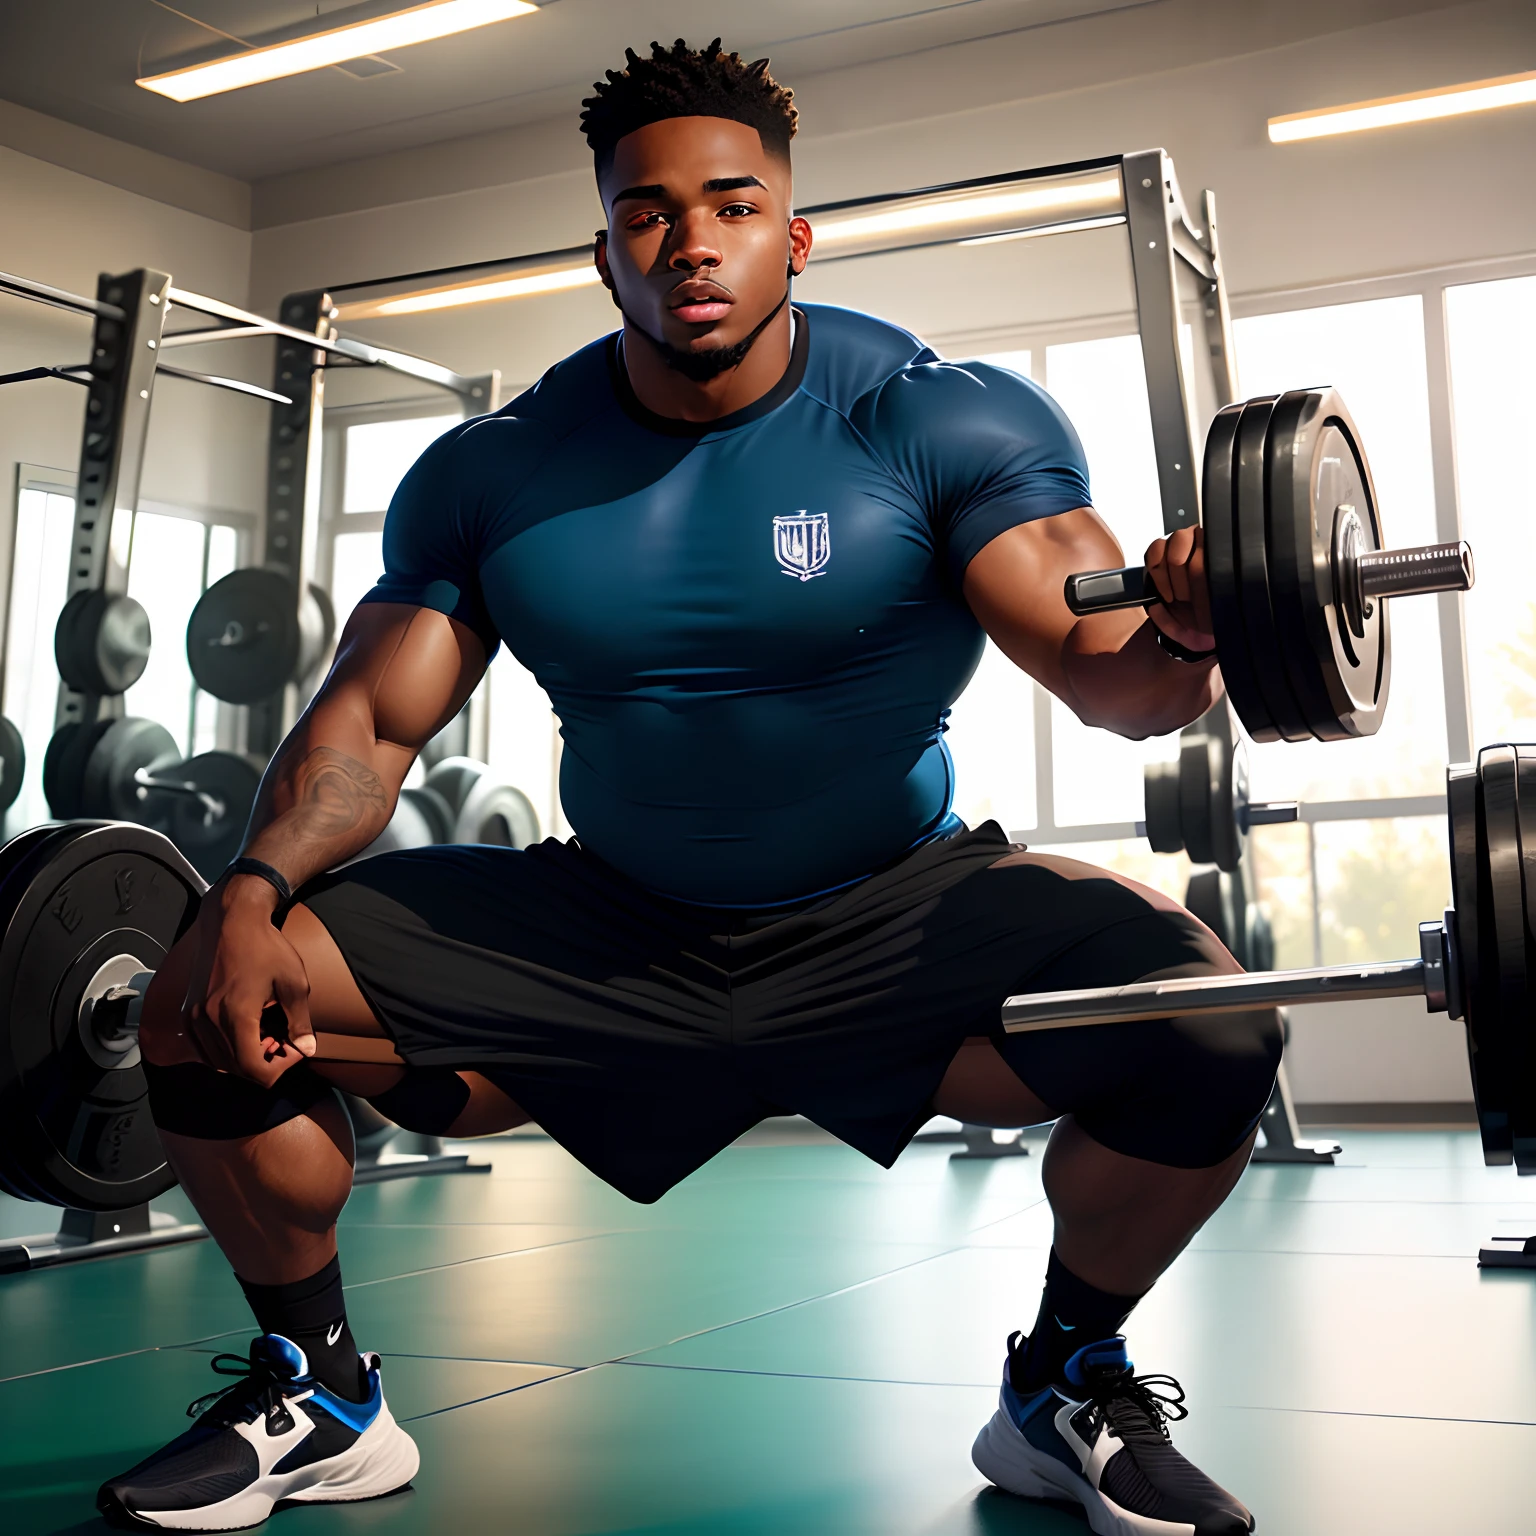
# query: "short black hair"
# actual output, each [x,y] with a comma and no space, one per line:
[687,82]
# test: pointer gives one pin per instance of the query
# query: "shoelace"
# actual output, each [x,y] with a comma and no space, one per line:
[262,1389]
[1155,1399]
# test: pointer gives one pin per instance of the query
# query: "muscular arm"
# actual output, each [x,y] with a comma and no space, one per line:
[1108,668]
[400,674]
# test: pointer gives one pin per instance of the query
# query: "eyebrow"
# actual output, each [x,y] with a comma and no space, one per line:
[716,184]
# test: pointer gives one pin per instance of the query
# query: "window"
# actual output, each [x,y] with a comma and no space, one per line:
[1352,880]
[173,557]
[1373,353]
[1492,343]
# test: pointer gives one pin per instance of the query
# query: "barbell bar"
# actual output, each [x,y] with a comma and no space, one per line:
[1473,964]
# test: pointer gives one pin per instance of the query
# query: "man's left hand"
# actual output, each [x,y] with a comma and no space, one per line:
[1176,567]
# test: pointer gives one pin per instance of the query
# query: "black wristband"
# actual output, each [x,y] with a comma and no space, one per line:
[1181,652]
[245,865]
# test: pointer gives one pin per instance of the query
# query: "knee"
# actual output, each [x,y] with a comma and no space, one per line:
[1230,1058]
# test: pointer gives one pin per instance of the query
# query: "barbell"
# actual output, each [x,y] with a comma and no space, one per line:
[88,911]
[1474,962]
[1297,573]
[1198,802]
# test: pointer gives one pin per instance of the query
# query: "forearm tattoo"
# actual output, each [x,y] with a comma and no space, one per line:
[330,795]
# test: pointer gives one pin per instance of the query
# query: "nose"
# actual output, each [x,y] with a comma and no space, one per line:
[693,248]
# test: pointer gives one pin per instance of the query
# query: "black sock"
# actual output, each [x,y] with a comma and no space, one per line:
[313,1315]
[1072,1314]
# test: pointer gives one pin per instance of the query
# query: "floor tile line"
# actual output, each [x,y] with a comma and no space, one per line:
[522,1386]
[1362,1413]
[481,1258]
[789,1306]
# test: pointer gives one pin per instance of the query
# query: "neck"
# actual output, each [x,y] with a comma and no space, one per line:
[662,389]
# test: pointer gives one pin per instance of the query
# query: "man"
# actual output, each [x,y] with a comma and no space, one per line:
[751,551]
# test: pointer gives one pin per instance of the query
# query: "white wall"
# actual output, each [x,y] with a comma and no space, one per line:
[64,228]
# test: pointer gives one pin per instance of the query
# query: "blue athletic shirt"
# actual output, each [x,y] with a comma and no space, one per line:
[751,629]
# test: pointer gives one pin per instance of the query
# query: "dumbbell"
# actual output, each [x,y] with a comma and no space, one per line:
[130,769]
[1473,962]
[1298,577]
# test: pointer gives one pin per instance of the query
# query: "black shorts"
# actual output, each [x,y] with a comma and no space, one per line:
[645,1034]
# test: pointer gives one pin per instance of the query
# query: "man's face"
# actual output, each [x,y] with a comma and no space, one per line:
[699,231]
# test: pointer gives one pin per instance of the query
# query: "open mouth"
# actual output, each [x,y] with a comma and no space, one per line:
[700,303]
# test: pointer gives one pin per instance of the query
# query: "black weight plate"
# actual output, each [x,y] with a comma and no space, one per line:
[13,762]
[1519,1030]
[434,809]
[209,841]
[1199,763]
[107,789]
[1219,520]
[64,762]
[76,1133]
[1160,787]
[453,778]
[1317,468]
[1504,912]
[243,639]
[1471,896]
[1259,618]
[101,642]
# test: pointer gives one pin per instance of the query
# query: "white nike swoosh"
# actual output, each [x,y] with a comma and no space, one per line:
[334,1333]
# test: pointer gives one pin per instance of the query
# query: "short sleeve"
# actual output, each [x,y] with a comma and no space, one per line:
[983,448]
[433,534]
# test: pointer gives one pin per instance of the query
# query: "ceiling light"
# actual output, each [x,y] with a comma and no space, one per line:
[420,24]
[965,215]
[1071,227]
[1416,107]
[484,291]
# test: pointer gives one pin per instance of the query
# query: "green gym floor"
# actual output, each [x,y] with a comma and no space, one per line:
[794,1341]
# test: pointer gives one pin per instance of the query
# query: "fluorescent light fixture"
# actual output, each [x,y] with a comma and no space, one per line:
[482,291]
[1071,227]
[420,24]
[964,215]
[1416,107]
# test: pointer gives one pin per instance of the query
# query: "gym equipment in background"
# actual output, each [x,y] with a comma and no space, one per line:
[1474,964]
[1298,576]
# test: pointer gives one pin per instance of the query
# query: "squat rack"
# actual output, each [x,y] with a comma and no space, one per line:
[128,343]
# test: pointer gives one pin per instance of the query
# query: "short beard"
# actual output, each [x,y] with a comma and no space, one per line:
[701,367]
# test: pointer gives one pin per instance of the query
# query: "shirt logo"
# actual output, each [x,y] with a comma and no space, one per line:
[802,544]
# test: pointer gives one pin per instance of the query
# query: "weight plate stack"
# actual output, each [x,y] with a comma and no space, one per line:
[1222,567]
[101,642]
[1505,914]
[73,901]
[1256,576]
[210,841]
[1160,787]
[13,763]
[1521,1032]
[244,638]
[108,790]
[1470,895]
[1318,482]
[69,748]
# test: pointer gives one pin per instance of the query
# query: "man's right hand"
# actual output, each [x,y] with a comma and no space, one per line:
[241,966]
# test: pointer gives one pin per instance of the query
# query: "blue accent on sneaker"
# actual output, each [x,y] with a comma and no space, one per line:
[1102,1355]
[356,1416]
[283,1353]
[1034,1417]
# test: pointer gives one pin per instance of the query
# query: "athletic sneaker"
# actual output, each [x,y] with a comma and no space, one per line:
[1102,1440]
[276,1436]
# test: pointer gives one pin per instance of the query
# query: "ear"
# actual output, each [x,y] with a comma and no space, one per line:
[799,245]
[600,258]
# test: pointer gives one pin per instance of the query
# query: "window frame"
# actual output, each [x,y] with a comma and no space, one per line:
[1429,285]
